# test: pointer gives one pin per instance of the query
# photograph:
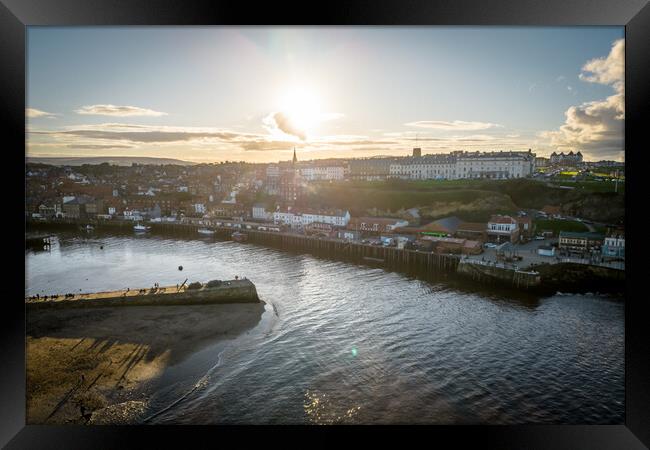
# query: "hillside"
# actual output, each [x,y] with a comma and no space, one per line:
[467,203]
[112,160]
[472,200]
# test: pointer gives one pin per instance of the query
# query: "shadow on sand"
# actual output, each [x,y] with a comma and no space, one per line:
[83,360]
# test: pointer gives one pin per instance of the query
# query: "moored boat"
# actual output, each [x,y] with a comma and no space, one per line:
[239,237]
[205,231]
[141,228]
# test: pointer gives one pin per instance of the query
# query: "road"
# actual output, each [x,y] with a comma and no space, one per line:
[528,252]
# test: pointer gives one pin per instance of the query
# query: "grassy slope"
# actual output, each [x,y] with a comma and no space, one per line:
[433,202]
[469,199]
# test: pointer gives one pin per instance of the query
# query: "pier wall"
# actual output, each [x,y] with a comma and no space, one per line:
[572,277]
[487,273]
[240,291]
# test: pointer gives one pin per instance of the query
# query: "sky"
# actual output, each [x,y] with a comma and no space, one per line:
[209,94]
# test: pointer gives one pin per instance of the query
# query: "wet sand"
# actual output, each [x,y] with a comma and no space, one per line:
[92,365]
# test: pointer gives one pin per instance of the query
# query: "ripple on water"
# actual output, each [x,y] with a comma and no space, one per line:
[356,344]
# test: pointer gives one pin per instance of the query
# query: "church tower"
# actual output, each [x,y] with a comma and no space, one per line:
[295,159]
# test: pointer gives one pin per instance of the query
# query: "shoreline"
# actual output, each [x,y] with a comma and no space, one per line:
[579,278]
[94,365]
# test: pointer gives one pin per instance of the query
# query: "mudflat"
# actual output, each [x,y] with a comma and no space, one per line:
[90,365]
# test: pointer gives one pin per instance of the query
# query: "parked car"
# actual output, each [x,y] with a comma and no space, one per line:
[490,245]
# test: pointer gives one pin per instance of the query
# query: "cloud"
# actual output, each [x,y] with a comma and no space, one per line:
[141,136]
[597,127]
[141,133]
[118,111]
[265,145]
[609,70]
[34,113]
[475,138]
[560,78]
[280,121]
[130,136]
[97,146]
[456,125]
[159,139]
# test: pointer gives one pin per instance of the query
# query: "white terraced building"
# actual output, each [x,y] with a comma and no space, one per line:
[424,167]
[315,173]
[299,219]
[498,165]
[458,165]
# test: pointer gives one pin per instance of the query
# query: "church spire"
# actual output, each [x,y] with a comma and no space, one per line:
[295,160]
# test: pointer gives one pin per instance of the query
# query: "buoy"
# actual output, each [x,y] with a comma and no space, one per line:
[180,267]
[101,247]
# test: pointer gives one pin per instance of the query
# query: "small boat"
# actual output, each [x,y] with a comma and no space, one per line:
[205,231]
[141,228]
[89,228]
[239,237]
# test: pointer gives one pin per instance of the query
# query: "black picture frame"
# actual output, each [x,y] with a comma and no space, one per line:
[15,15]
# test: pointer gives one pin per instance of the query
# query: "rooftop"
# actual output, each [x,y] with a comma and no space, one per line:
[379,220]
[472,226]
[578,234]
[502,219]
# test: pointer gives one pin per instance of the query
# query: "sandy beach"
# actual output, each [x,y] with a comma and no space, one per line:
[90,365]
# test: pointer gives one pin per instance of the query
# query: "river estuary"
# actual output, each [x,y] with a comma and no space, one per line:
[342,343]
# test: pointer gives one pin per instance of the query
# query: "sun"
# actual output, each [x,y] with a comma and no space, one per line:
[303,108]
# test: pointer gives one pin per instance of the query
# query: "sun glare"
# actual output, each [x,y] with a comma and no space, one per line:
[302,106]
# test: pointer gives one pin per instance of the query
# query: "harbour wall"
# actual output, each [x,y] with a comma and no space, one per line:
[233,291]
[574,278]
[564,277]
[493,273]
[391,258]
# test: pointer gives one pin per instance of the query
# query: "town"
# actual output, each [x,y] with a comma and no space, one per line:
[231,225]
[507,207]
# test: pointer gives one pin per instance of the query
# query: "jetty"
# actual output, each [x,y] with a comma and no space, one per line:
[498,273]
[213,292]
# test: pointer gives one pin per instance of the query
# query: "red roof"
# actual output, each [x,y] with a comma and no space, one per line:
[502,219]
[377,220]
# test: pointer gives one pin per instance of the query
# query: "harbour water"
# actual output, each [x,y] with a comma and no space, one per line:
[342,343]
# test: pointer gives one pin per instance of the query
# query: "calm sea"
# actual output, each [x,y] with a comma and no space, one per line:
[342,343]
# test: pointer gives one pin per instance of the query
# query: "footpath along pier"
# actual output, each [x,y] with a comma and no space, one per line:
[230,291]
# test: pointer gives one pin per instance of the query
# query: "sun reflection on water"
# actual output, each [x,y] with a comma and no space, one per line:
[323,410]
